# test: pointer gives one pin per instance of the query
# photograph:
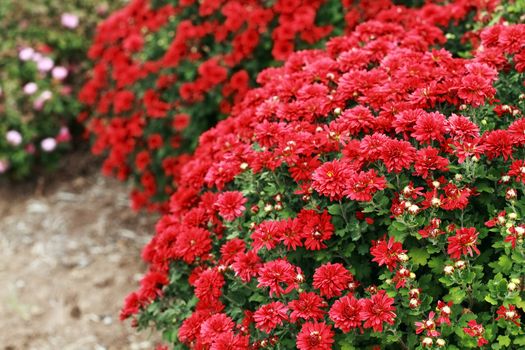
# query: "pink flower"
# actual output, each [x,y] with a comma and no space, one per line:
[45,64]
[30,88]
[26,54]
[48,144]
[69,20]
[13,137]
[4,165]
[59,73]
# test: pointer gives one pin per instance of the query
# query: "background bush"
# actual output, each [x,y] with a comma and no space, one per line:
[368,195]
[168,70]
[42,62]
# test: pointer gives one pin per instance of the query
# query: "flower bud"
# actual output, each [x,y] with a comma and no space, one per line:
[511,287]
[511,194]
[244,166]
[402,257]
[512,216]
[458,177]
[268,208]
[440,342]
[449,270]
[460,264]
[413,209]
[435,202]
[337,111]
[427,341]
[414,303]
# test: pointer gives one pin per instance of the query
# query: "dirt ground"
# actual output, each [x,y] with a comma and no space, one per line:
[69,254]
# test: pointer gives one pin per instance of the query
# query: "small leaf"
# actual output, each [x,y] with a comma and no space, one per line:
[419,256]
[504,340]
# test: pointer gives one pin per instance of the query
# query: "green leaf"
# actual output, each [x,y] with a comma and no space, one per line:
[519,340]
[456,295]
[504,340]
[491,300]
[334,209]
[419,256]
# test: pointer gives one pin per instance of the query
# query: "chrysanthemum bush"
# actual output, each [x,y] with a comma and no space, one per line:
[43,47]
[168,70]
[364,196]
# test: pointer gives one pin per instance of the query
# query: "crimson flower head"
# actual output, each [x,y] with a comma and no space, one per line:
[269,316]
[307,307]
[387,253]
[330,179]
[508,314]
[231,205]
[331,279]
[476,330]
[376,310]
[362,186]
[397,155]
[463,243]
[280,276]
[346,313]
[315,336]
[317,228]
[215,326]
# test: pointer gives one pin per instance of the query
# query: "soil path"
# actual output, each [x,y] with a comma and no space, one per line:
[68,257]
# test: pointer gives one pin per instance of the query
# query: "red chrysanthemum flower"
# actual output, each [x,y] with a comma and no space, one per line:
[397,155]
[498,143]
[508,314]
[377,310]
[317,228]
[363,185]
[230,341]
[476,330]
[430,127]
[331,279]
[463,243]
[427,160]
[315,336]
[386,253]
[345,313]
[246,265]
[231,205]
[307,307]
[266,235]
[269,316]
[517,170]
[192,243]
[215,326]
[208,285]
[280,276]
[330,179]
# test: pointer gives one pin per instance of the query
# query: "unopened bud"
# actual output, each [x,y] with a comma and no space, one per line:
[460,264]
[449,270]
[402,257]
